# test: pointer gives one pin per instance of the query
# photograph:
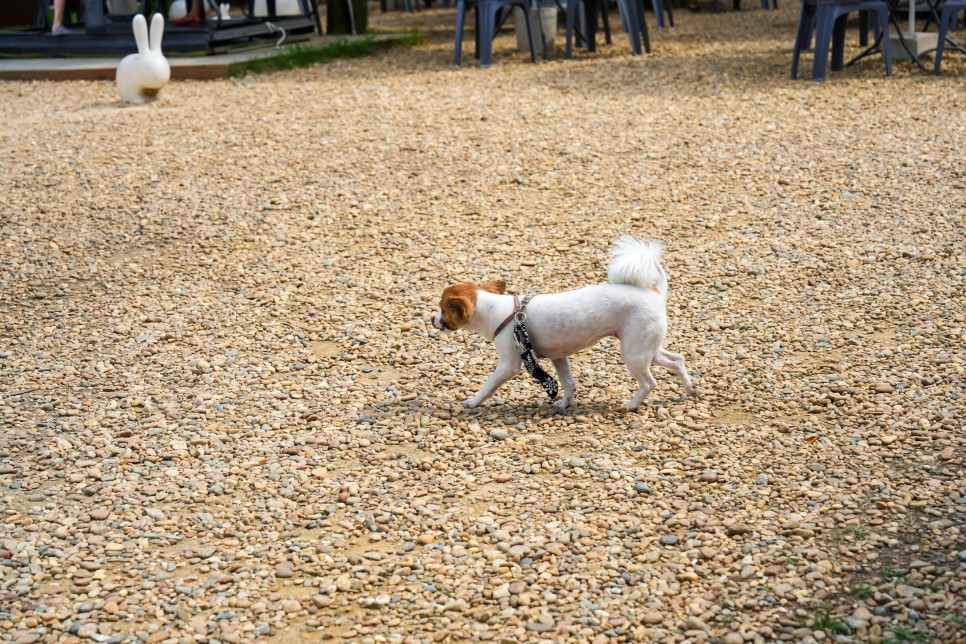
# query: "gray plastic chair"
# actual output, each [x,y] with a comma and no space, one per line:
[947,18]
[488,24]
[828,19]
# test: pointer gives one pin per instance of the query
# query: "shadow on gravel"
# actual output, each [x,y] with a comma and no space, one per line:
[910,570]
[499,413]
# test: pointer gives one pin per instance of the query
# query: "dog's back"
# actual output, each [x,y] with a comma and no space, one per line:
[563,323]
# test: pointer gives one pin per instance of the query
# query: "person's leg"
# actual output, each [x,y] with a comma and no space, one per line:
[58,15]
[195,16]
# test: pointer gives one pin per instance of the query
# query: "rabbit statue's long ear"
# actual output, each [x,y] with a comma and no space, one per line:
[157,30]
[140,26]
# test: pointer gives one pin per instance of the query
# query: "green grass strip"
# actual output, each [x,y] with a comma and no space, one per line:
[307,55]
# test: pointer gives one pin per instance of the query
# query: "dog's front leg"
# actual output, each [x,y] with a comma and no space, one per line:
[506,368]
[566,376]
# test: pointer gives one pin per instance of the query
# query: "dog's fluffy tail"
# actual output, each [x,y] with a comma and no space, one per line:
[637,262]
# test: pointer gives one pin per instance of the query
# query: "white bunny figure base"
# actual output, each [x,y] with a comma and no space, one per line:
[141,76]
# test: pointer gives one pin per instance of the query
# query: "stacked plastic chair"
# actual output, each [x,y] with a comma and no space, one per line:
[827,17]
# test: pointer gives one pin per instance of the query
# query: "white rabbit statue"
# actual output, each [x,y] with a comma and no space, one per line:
[141,76]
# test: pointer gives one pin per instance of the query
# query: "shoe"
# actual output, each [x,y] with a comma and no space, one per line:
[189,20]
[59,30]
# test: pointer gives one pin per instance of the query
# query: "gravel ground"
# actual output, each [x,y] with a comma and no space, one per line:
[224,418]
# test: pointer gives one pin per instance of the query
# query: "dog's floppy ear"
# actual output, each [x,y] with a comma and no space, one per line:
[457,310]
[497,286]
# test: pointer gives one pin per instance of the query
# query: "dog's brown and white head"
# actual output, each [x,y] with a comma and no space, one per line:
[458,304]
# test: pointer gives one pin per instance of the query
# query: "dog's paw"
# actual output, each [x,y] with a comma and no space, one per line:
[562,404]
[629,406]
[471,403]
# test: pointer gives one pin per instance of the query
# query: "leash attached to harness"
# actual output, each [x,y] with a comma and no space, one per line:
[521,339]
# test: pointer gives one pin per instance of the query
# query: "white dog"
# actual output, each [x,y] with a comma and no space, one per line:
[632,308]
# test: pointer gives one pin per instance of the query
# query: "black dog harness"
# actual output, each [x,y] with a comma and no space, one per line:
[522,341]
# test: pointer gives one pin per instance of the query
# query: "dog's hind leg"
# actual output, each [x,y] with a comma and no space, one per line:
[562,366]
[675,362]
[640,368]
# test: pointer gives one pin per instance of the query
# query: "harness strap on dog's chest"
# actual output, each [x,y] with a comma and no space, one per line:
[521,339]
[518,308]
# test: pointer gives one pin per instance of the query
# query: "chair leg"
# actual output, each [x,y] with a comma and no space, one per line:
[658,11]
[315,14]
[488,17]
[629,9]
[605,19]
[944,21]
[590,28]
[543,36]
[643,28]
[823,38]
[460,19]
[580,23]
[838,43]
[531,32]
[642,25]
[488,13]
[569,34]
[886,46]
[476,31]
[802,36]
[670,13]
